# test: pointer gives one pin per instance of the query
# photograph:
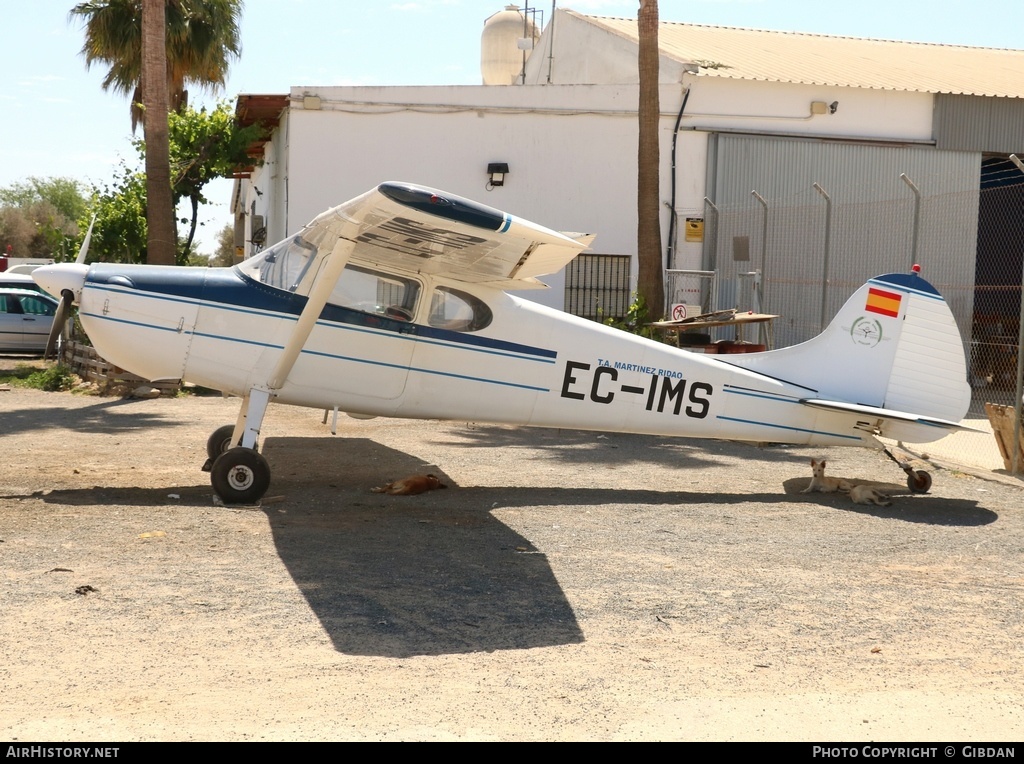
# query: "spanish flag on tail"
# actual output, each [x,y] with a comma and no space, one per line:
[881,301]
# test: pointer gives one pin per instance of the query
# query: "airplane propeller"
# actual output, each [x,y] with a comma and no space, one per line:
[84,249]
[67,298]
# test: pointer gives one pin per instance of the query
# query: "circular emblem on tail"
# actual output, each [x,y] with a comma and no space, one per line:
[866,331]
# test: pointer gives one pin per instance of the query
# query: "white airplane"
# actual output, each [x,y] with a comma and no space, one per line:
[395,304]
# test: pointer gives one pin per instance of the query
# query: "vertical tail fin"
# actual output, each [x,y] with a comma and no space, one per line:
[893,345]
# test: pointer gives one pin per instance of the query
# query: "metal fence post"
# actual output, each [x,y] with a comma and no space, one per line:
[828,239]
[761,332]
[711,245]
[917,216]
[1019,389]
[711,241]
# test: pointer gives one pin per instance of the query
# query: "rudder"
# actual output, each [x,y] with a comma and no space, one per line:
[893,345]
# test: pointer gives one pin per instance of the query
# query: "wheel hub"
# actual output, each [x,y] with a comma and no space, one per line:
[240,478]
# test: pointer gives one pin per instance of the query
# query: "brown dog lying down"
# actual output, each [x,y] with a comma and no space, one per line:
[865,494]
[411,486]
[860,494]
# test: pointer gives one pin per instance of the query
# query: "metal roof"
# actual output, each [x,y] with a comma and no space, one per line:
[814,59]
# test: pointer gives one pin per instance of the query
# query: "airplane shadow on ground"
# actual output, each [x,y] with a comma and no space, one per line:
[905,505]
[572,447]
[439,573]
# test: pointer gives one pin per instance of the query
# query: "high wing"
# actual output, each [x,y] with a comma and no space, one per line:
[422,230]
[401,226]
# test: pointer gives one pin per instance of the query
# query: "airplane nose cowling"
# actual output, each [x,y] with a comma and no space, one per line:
[59,277]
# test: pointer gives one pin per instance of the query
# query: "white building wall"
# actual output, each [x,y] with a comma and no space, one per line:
[571,148]
[265,193]
[779,108]
[571,154]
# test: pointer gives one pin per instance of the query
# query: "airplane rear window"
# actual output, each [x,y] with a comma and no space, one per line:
[458,311]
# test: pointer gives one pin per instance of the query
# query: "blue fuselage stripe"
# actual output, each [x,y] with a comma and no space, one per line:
[327,324]
[424,371]
[788,427]
[760,394]
[287,306]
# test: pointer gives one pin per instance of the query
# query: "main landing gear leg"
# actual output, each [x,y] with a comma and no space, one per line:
[239,473]
[918,481]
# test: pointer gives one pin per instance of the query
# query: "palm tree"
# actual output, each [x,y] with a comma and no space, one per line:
[154,49]
[650,274]
[202,39]
[161,237]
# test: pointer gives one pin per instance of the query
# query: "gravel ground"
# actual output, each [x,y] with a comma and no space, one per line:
[568,586]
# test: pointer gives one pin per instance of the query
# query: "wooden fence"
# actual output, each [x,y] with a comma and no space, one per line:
[87,363]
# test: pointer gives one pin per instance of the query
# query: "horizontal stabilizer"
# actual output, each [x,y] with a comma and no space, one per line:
[885,414]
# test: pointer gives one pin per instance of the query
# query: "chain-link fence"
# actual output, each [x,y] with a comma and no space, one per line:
[802,257]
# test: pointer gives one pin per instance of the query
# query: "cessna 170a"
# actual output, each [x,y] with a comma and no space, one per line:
[396,304]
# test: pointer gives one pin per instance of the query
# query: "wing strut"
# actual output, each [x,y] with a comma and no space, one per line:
[322,288]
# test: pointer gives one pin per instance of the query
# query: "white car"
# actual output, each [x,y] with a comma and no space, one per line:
[25,320]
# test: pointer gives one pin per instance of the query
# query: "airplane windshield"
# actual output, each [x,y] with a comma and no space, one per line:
[283,265]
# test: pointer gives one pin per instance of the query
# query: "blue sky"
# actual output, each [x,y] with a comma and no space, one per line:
[55,120]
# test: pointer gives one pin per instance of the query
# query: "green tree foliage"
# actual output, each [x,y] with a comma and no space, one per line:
[65,194]
[38,217]
[205,145]
[225,254]
[119,235]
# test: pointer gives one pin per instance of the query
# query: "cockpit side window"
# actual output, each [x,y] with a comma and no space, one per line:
[458,311]
[373,292]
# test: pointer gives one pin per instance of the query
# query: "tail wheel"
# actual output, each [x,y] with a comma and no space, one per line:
[919,481]
[240,476]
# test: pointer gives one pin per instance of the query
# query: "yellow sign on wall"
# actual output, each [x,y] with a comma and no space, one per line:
[695,229]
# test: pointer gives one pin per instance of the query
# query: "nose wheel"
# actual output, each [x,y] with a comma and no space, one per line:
[238,472]
[240,476]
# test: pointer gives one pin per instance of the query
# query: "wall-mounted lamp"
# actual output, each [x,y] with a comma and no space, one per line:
[496,172]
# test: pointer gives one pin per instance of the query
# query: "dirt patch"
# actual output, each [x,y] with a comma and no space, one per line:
[567,586]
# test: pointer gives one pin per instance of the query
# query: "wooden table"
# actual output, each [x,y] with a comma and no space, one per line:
[715,320]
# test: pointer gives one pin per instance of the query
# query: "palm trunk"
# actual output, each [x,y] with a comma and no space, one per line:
[650,276]
[161,237]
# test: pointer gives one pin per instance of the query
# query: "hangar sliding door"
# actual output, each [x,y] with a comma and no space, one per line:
[812,252]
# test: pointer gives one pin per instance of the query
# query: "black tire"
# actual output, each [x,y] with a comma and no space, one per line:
[240,476]
[220,441]
[919,482]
